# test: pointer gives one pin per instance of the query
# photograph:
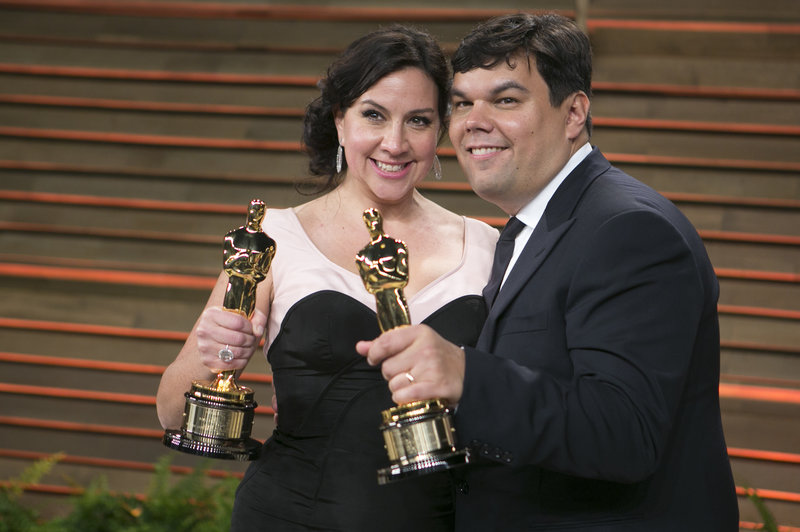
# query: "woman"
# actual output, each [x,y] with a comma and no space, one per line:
[372,134]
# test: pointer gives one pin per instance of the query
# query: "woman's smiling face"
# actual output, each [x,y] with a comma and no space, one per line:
[390,134]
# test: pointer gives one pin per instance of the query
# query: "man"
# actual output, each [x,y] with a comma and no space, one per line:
[591,399]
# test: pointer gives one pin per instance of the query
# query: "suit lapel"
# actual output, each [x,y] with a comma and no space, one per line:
[539,245]
[559,214]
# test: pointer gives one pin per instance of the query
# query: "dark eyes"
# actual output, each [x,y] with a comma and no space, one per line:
[505,100]
[373,115]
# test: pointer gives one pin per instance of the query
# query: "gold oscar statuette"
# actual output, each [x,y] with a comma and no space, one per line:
[419,436]
[218,416]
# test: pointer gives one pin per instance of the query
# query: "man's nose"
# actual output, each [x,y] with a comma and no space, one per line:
[478,118]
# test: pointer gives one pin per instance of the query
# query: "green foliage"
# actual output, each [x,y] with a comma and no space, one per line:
[770,524]
[14,517]
[193,503]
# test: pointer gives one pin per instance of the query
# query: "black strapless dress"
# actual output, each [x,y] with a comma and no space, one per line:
[318,471]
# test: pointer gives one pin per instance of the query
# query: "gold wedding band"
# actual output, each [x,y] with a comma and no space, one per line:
[409,376]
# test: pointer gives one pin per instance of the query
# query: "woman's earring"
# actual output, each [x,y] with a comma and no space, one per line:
[339,155]
[437,168]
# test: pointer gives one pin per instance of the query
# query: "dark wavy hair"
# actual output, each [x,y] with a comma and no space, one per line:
[365,62]
[562,52]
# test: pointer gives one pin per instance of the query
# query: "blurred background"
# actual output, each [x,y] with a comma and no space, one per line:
[134,133]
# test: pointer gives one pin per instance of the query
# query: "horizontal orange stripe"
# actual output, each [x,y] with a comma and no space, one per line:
[749,238]
[66,393]
[209,45]
[242,110]
[367,13]
[774,495]
[48,166]
[102,365]
[110,463]
[749,525]
[50,489]
[150,140]
[106,264]
[90,329]
[759,393]
[212,10]
[133,105]
[159,75]
[117,234]
[107,276]
[694,26]
[687,125]
[768,456]
[693,91]
[702,162]
[690,162]
[92,395]
[736,201]
[726,390]
[105,365]
[109,430]
[94,275]
[748,93]
[778,277]
[123,203]
[457,186]
[753,346]
[289,146]
[186,238]
[755,379]
[742,310]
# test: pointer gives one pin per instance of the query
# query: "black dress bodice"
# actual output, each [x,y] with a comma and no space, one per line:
[318,470]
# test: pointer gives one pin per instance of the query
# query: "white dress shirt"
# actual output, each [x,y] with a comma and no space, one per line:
[531,213]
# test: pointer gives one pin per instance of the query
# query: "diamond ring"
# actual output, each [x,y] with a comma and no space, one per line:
[225,354]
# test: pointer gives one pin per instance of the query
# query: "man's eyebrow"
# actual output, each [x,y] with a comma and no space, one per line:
[510,84]
[506,85]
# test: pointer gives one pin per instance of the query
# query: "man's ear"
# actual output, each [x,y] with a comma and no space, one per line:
[577,113]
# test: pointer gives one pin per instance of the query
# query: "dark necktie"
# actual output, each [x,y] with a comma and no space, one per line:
[502,256]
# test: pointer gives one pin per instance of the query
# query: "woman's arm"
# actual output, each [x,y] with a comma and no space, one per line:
[198,359]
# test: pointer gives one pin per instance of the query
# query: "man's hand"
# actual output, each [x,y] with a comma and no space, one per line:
[418,364]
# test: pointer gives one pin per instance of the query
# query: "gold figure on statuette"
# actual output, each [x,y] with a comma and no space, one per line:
[419,436]
[218,416]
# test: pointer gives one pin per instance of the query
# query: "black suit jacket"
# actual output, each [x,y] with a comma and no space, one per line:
[591,400]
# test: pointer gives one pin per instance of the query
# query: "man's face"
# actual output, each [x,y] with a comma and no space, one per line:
[509,140]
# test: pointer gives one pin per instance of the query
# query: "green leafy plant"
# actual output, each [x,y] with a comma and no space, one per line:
[14,517]
[770,524]
[193,502]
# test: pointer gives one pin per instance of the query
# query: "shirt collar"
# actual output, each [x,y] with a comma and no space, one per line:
[532,212]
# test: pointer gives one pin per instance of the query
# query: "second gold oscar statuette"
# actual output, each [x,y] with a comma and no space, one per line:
[218,416]
[419,436]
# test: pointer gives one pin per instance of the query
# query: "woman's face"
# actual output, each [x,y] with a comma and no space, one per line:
[389,134]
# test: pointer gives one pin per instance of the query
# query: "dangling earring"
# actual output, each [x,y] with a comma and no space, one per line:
[437,168]
[339,159]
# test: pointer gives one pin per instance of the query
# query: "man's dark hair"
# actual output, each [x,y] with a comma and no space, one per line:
[561,51]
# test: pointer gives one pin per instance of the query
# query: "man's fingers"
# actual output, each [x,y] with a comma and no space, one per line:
[390,344]
[362,347]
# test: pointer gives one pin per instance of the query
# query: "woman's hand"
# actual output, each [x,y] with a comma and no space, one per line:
[219,329]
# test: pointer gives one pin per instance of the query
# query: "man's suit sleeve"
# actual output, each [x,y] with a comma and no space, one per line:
[629,314]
